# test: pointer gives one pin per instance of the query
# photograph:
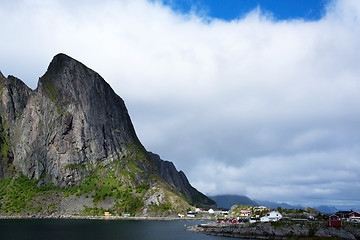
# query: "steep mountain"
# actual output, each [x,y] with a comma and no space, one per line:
[179,181]
[227,201]
[72,135]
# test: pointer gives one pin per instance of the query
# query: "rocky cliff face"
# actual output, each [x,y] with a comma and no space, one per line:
[73,126]
[72,118]
[179,181]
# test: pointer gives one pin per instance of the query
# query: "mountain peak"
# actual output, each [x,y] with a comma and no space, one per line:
[59,62]
[69,81]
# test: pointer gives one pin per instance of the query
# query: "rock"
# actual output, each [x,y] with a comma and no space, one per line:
[353,231]
[341,233]
[267,231]
[179,181]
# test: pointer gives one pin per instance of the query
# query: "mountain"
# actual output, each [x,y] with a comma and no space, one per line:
[178,180]
[273,205]
[227,201]
[326,209]
[72,137]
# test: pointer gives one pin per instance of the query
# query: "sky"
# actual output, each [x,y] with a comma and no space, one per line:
[248,97]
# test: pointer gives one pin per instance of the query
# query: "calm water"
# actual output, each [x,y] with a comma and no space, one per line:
[67,229]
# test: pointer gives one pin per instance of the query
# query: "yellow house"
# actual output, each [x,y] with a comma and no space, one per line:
[107,214]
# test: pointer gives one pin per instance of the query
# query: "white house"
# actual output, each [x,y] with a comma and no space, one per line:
[272,216]
[190,214]
[224,213]
[211,211]
[198,210]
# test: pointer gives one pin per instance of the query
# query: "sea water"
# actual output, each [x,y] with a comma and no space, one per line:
[68,229]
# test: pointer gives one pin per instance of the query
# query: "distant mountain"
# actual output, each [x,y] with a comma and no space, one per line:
[227,201]
[326,209]
[273,205]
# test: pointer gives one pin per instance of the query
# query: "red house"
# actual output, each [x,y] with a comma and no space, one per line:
[334,217]
[334,223]
[343,214]
[354,214]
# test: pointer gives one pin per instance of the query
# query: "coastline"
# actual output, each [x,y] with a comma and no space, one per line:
[271,231]
[2,217]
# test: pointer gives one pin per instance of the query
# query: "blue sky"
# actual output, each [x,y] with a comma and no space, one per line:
[266,105]
[310,10]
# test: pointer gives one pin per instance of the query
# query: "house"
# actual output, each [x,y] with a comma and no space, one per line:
[106,214]
[346,215]
[190,214]
[181,215]
[334,217]
[272,216]
[354,214]
[198,210]
[211,211]
[343,214]
[334,223]
[354,217]
[245,213]
[224,213]
[234,221]
[127,214]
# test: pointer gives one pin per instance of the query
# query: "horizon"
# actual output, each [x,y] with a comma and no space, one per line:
[255,98]
[291,206]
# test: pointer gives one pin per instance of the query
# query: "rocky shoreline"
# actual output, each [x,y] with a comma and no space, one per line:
[277,231]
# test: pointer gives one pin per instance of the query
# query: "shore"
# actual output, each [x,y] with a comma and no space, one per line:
[277,231]
[99,218]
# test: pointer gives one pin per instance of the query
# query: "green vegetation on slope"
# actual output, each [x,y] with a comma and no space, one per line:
[17,193]
[20,195]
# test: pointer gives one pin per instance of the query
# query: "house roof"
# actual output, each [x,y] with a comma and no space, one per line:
[344,212]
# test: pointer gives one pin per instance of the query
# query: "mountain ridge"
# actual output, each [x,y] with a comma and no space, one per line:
[229,200]
[74,132]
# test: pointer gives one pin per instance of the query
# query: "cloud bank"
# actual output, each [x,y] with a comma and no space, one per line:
[254,106]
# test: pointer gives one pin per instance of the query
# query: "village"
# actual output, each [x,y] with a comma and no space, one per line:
[261,214]
[238,213]
[262,223]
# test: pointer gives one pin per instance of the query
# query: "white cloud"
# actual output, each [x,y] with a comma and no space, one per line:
[240,98]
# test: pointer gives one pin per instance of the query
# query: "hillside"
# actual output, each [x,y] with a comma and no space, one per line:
[69,147]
